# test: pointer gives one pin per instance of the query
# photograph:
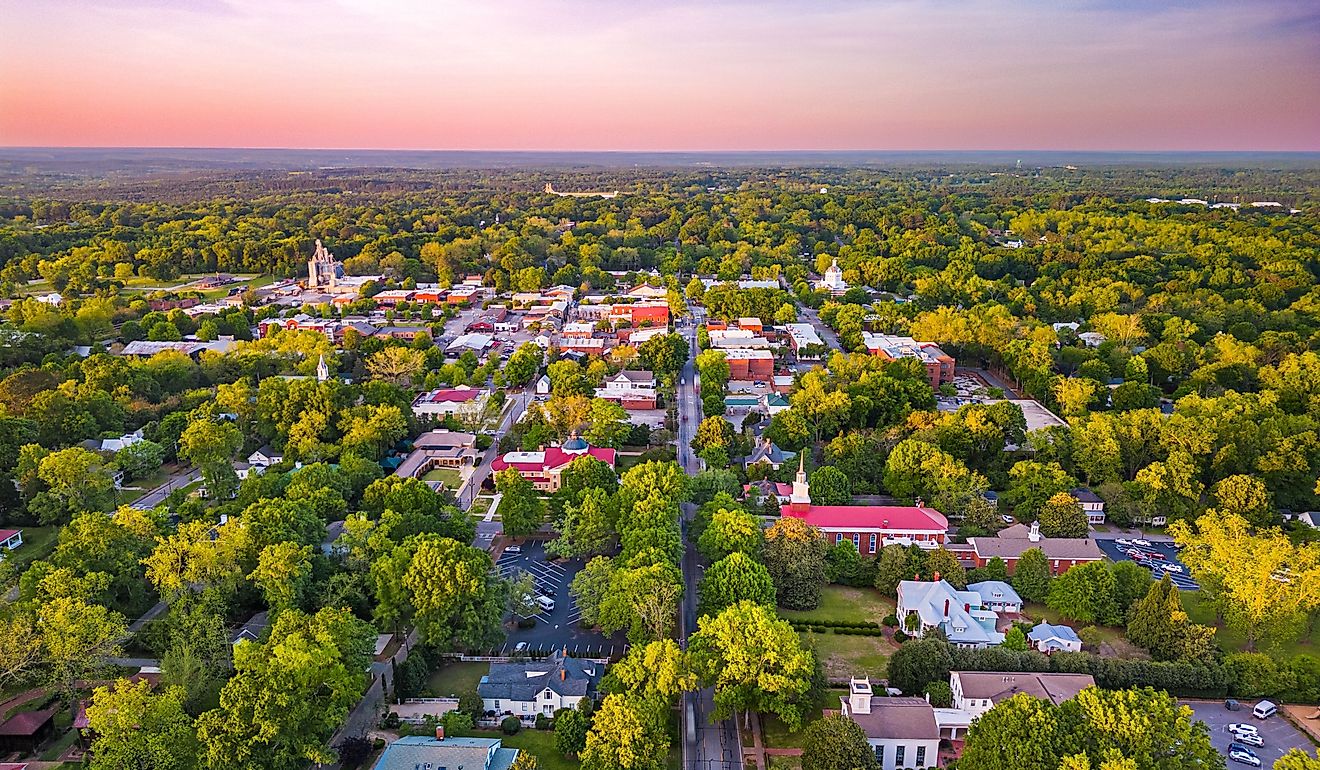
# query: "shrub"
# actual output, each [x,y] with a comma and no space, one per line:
[544,722]
[510,725]
[900,637]
[891,621]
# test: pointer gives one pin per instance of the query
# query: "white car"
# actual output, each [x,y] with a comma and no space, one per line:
[1245,758]
[520,646]
[513,549]
[1249,739]
[1142,543]
[1173,568]
[1123,541]
[1241,728]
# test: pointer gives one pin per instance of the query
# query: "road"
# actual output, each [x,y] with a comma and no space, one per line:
[472,487]
[827,335]
[157,496]
[715,745]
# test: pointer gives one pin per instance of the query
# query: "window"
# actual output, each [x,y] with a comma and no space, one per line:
[872,542]
[880,754]
[549,695]
[899,757]
[837,537]
[857,541]
[921,756]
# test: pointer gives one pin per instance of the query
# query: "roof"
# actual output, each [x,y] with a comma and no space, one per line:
[549,459]
[5,534]
[632,375]
[958,613]
[1044,632]
[442,439]
[905,518]
[1085,495]
[1069,548]
[468,753]
[995,591]
[462,393]
[523,681]
[911,718]
[26,723]
[998,685]
[266,450]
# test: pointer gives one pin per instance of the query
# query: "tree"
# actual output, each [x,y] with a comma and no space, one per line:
[134,727]
[288,696]
[1031,578]
[571,726]
[664,353]
[211,446]
[583,474]
[836,742]
[942,562]
[521,509]
[795,557]
[77,638]
[397,365]
[1131,582]
[755,662]
[282,573]
[590,588]
[1031,484]
[1086,593]
[1062,516]
[892,567]
[1161,625]
[918,662]
[627,733]
[139,458]
[733,579]
[1245,496]
[586,528]
[75,480]
[830,487]
[1015,640]
[446,587]
[731,530]
[20,647]
[1297,759]
[658,669]
[712,433]
[522,596]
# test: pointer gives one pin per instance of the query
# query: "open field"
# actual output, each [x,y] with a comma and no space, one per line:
[847,655]
[846,604]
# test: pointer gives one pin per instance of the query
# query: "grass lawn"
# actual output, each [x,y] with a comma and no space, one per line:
[455,678]
[447,476]
[776,734]
[480,505]
[777,762]
[1232,639]
[846,604]
[846,655]
[538,743]
[1113,636]
[57,748]
[38,543]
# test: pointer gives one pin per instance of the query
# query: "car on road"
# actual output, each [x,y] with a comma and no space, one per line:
[1241,728]
[1244,757]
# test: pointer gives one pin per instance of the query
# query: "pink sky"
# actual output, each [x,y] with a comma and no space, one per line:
[662,75]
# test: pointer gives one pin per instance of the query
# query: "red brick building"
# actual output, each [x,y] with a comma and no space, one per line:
[1062,553]
[750,364]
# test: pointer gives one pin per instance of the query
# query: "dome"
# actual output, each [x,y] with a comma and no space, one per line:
[575,444]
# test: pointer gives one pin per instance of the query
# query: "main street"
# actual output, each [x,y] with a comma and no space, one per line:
[707,745]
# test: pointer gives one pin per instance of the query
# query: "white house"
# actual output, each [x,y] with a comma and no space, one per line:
[1092,505]
[997,595]
[1092,339]
[1048,638]
[525,689]
[902,731]
[10,539]
[543,386]
[924,605]
[265,457]
[833,281]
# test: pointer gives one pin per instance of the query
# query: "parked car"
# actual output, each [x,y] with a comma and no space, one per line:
[1245,758]
[520,646]
[1123,541]
[1142,543]
[1242,728]
[1249,739]
[1264,710]
[1232,705]
[513,549]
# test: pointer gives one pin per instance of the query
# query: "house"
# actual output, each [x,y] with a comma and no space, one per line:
[527,688]
[1050,638]
[778,490]
[646,291]
[773,403]
[265,457]
[545,468]
[252,630]
[463,400]
[25,731]
[768,452]
[1011,542]
[114,444]
[902,731]
[475,342]
[997,595]
[631,389]
[423,751]
[438,449]
[925,605]
[1092,339]
[543,386]
[1092,505]
[940,366]
[801,336]
[976,692]
[870,527]
[10,539]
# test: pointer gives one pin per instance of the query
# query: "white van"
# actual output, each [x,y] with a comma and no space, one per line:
[546,603]
[1264,710]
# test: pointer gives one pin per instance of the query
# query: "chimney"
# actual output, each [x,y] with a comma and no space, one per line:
[946,608]
[967,607]
[439,732]
[562,675]
[935,578]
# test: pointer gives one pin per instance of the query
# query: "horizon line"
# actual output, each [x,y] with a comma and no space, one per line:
[271,148]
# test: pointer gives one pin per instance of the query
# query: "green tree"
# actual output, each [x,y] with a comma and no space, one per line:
[795,557]
[521,509]
[754,661]
[140,459]
[1031,578]
[1086,593]
[658,669]
[587,527]
[731,530]
[571,726]
[892,567]
[1062,516]
[627,733]
[211,446]
[74,480]
[733,579]
[1160,624]
[1015,640]
[664,354]
[836,742]
[282,573]
[134,727]
[77,638]
[1032,484]
[830,487]
[1131,582]
[918,662]
[942,562]
[1297,759]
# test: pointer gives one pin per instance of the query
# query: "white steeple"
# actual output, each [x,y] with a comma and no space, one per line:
[1034,534]
[322,371]
[801,493]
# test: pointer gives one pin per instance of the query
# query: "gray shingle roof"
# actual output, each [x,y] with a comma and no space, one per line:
[523,681]
[450,754]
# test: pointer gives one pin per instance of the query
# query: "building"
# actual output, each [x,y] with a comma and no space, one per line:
[747,364]
[323,270]
[438,449]
[751,323]
[769,453]
[646,291]
[579,329]
[392,297]
[192,349]
[462,400]
[1009,545]
[1092,339]
[833,282]
[416,752]
[940,366]
[1092,505]
[584,345]
[545,468]
[631,389]
[1050,638]
[997,595]
[870,527]
[801,336]
[265,456]
[902,731]
[527,688]
[475,342]
[961,615]
[721,339]
[773,403]
[976,692]
[10,539]
[649,313]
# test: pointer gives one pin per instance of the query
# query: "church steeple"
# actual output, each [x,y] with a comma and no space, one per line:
[322,371]
[801,498]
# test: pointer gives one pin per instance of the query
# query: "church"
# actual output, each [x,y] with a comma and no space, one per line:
[834,279]
[869,527]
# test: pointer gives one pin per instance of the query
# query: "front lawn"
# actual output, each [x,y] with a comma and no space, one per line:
[776,735]
[455,678]
[845,604]
[847,655]
[480,505]
[447,476]
[538,743]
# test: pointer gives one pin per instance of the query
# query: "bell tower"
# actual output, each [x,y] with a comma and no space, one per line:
[800,501]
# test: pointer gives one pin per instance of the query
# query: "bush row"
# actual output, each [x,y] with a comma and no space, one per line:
[836,623]
[845,630]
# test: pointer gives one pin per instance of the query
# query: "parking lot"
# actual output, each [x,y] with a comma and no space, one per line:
[1280,735]
[558,628]
[1117,551]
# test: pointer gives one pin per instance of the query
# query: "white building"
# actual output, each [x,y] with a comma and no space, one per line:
[265,457]
[525,689]
[1050,638]
[1092,505]
[834,282]
[902,731]
[925,605]
[462,400]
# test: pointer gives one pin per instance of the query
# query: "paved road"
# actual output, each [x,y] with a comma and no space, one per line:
[827,335]
[157,496]
[470,488]
[714,745]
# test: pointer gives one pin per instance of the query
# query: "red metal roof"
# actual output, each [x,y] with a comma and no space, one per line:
[5,534]
[452,394]
[895,517]
[555,458]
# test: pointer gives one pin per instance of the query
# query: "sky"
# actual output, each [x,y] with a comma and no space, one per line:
[1155,75]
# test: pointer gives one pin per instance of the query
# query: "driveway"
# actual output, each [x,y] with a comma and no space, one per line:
[558,628]
[1183,580]
[1280,735]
